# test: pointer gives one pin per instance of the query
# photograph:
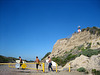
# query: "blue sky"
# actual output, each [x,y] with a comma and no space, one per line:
[30,28]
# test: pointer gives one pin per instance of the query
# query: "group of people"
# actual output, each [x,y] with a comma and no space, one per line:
[38,63]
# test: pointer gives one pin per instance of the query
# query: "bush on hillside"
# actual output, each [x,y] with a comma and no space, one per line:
[81,69]
[98,43]
[88,28]
[98,33]
[66,52]
[80,47]
[89,45]
[83,30]
[70,57]
[95,72]
[90,52]
[46,55]
[94,30]
[59,61]
[63,60]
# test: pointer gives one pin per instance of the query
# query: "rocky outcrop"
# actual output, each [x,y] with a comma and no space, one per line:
[86,62]
[95,43]
[77,39]
[88,39]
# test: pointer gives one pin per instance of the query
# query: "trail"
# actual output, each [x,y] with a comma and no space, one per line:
[5,70]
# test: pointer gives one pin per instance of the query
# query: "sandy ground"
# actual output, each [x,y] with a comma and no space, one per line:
[5,70]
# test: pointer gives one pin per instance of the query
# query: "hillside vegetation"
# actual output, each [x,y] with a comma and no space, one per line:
[93,30]
[46,55]
[4,59]
[76,52]
[85,43]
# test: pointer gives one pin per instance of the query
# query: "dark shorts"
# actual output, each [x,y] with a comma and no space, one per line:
[50,64]
[21,64]
[37,66]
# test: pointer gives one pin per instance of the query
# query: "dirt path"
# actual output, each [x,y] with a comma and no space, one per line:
[5,70]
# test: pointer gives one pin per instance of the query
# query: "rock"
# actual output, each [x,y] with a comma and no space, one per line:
[86,62]
[79,62]
[94,62]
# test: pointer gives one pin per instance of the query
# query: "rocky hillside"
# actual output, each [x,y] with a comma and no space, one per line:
[88,37]
[85,43]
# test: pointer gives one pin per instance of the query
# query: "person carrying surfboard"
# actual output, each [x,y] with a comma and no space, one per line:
[50,64]
[20,60]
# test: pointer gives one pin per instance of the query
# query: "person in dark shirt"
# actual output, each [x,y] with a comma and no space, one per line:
[20,60]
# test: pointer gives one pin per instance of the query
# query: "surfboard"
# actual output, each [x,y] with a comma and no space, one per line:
[53,63]
[47,61]
[17,65]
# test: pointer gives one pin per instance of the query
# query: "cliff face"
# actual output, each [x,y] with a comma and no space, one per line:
[82,47]
[77,39]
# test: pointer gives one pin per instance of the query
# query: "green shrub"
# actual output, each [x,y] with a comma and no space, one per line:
[94,72]
[71,50]
[88,28]
[79,54]
[94,30]
[81,69]
[98,33]
[70,57]
[46,55]
[80,47]
[98,43]
[83,30]
[97,73]
[59,61]
[66,52]
[94,27]
[86,72]
[89,46]
[90,52]
[63,60]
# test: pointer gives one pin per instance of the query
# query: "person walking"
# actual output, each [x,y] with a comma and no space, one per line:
[37,62]
[20,61]
[50,64]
